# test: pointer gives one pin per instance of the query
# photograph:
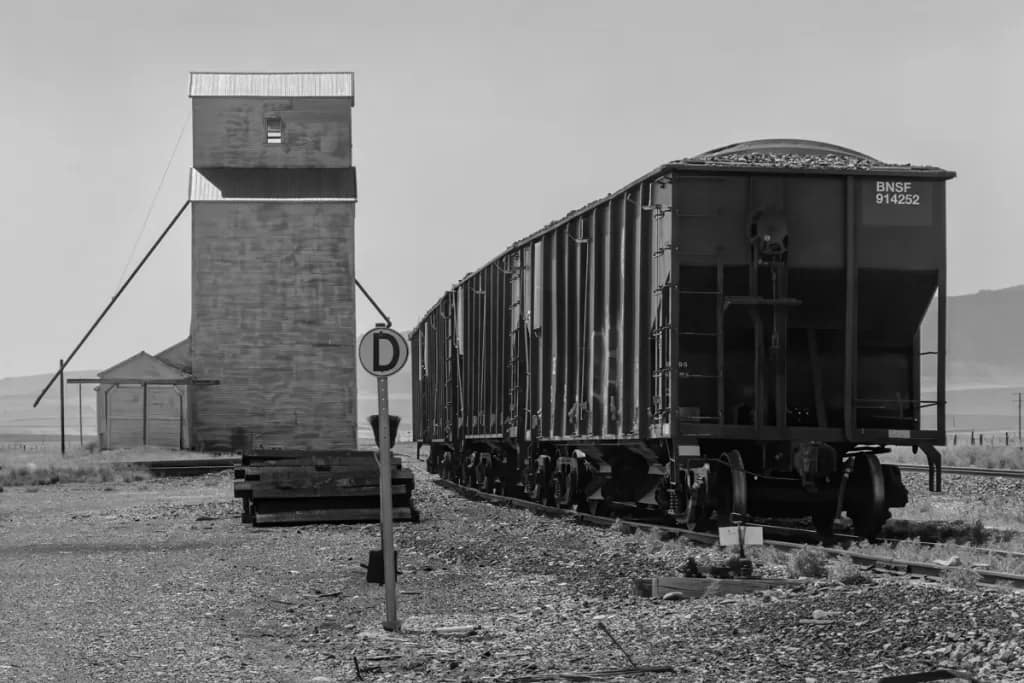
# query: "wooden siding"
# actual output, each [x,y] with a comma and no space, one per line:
[121,416]
[124,416]
[164,405]
[231,132]
[273,318]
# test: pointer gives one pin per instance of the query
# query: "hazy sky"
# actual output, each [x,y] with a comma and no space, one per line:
[475,124]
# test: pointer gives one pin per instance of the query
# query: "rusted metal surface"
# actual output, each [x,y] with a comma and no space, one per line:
[302,84]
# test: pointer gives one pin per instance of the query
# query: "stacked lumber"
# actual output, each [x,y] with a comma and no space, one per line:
[314,487]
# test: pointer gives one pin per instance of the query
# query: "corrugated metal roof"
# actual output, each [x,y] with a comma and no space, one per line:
[273,184]
[332,84]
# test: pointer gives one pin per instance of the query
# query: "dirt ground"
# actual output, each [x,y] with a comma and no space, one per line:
[159,580]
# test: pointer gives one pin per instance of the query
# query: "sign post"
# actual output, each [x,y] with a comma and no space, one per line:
[383,352]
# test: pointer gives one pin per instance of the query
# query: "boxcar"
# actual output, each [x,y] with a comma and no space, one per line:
[734,333]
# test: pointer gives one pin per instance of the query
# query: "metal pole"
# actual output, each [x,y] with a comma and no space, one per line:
[81,438]
[1019,444]
[60,373]
[116,295]
[374,303]
[387,539]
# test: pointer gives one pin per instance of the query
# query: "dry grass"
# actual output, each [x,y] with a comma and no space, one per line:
[987,557]
[994,512]
[44,464]
[33,475]
[985,457]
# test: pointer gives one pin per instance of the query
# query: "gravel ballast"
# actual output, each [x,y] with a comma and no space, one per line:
[160,580]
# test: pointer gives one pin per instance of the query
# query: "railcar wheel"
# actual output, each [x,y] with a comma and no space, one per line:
[737,485]
[869,513]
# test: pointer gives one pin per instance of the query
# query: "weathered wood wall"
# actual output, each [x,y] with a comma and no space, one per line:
[273,318]
[120,416]
[231,132]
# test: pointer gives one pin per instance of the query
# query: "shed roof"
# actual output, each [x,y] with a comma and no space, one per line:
[143,366]
[270,184]
[306,84]
[179,355]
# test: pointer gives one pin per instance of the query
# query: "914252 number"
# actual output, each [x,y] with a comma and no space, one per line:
[901,199]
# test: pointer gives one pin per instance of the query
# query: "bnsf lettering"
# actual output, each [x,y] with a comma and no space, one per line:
[891,186]
[896,192]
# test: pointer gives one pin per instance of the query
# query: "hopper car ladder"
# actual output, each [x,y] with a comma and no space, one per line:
[719,336]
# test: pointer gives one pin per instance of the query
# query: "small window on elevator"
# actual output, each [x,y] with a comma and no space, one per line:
[275,130]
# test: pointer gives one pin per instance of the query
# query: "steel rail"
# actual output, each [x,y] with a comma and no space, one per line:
[183,468]
[889,564]
[969,471]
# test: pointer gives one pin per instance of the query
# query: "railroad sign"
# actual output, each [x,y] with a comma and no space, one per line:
[383,352]
[732,535]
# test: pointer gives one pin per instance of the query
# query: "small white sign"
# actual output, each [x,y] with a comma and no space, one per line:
[730,535]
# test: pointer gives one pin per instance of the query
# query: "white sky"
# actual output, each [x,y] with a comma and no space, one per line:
[475,124]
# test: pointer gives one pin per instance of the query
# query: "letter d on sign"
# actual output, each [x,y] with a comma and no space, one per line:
[383,352]
[379,364]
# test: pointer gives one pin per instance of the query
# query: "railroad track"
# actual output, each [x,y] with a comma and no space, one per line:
[969,471]
[911,568]
[185,468]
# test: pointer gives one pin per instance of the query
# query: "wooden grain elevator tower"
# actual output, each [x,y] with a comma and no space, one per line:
[273,305]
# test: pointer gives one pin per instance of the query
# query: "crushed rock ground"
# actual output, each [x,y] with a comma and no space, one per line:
[160,581]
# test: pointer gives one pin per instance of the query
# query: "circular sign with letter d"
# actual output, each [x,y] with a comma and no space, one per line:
[383,352]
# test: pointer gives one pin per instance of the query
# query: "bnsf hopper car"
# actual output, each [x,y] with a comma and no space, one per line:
[735,333]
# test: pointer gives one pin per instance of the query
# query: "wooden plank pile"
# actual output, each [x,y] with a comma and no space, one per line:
[313,487]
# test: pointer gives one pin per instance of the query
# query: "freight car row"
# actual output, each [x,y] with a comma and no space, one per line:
[734,333]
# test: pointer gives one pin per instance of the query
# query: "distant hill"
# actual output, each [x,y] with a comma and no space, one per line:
[17,416]
[985,337]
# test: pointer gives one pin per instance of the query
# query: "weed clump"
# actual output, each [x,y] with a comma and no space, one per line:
[809,562]
[961,577]
[843,570]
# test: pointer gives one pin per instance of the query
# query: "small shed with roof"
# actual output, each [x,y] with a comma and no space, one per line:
[144,401]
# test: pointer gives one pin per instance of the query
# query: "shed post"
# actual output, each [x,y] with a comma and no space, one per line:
[60,372]
[145,411]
